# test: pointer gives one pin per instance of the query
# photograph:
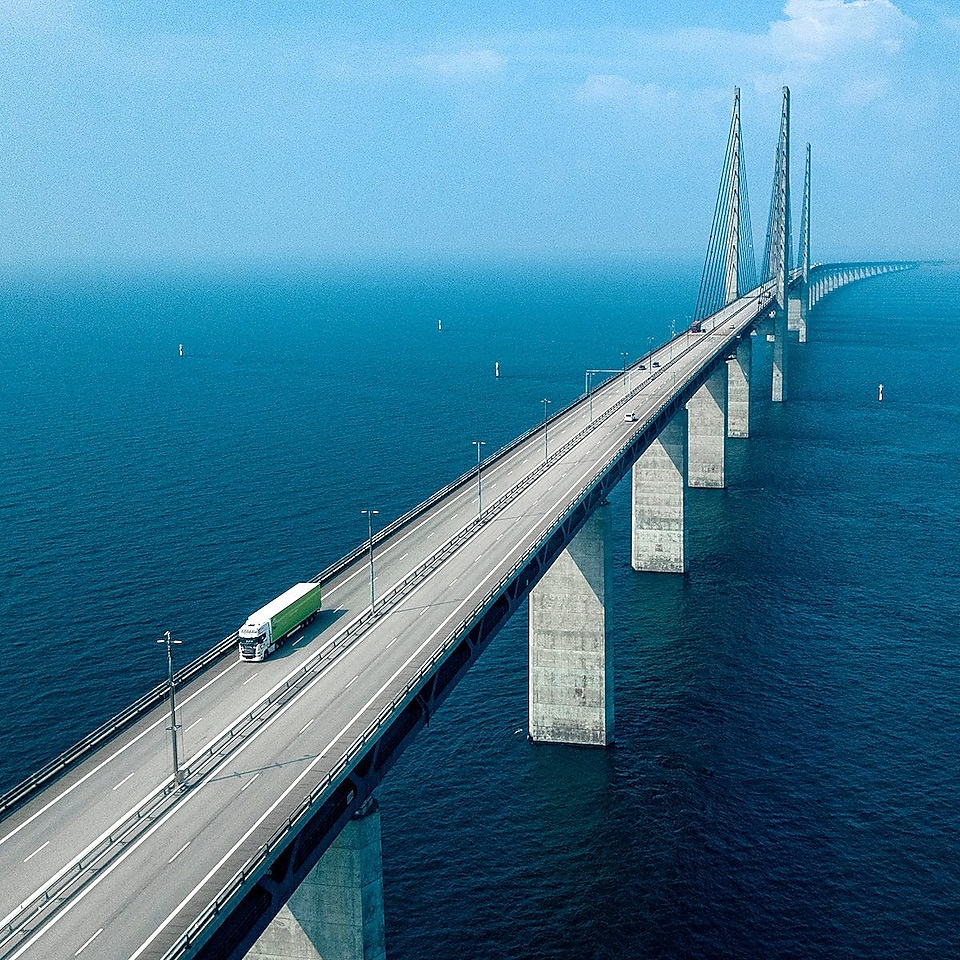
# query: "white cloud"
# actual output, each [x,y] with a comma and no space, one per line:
[815,31]
[464,64]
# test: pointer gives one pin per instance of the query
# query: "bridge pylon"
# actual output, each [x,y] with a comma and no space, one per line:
[730,267]
[800,301]
[777,254]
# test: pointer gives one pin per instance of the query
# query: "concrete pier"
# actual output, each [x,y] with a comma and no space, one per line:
[337,912]
[571,664]
[739,370]
[779,388]
[707,432]
[797,315]
[659,501]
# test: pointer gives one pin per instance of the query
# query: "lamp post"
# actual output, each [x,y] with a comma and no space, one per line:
[546,403]
[478,444]
[370,514]
[623,356]
[169,641]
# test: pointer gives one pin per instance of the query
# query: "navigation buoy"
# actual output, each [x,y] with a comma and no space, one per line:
[880,393]
[496,369]
[181,349]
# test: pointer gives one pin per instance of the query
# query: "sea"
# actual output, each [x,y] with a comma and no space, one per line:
[785,780]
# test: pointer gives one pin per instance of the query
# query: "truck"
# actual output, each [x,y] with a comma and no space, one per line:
[267,628]
[696,326]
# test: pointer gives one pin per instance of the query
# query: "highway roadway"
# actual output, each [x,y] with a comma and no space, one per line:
[113,861]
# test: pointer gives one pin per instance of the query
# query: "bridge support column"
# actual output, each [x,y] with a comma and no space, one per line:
[659,501]
[778,391]
[739,369]
[707,432]
[571,664]
[797,314]
[337,911]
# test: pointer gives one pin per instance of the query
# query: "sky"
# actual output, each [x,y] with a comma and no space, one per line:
[208,132]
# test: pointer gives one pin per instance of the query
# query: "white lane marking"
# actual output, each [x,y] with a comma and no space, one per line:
[254,777]
[87,944]
[404,557]
[304,727]
[391,643]
[298,640]
[177,854]
[253,676]
[454,580]
[352,682]
[35,852]
[192,725]
[124,780]
[113,756]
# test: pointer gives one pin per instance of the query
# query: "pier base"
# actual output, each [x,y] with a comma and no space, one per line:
[739,370]
[707,433]
[337,911]
[571,665]
[659,501]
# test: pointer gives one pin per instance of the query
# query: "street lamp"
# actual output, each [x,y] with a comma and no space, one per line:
[546,403]
[169,641]
[624,354]
[370,514]
[478,444]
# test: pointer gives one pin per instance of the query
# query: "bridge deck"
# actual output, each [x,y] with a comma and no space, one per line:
[111,861]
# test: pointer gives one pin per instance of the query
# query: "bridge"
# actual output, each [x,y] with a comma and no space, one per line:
[264,842]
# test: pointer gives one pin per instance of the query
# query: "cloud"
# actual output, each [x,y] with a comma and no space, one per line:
[853,50]
[815,31]
[463,65]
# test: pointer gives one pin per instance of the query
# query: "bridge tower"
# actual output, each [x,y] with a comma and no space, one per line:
[734,155]
[729,268]
[777,254]
[805,225]
[799,304]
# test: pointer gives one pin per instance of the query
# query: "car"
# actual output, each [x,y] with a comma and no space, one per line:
[656,363]
[629,417]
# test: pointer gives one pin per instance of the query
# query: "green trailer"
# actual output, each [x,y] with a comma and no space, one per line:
[266,629]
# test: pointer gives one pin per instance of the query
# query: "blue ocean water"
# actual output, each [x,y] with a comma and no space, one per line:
[785,780]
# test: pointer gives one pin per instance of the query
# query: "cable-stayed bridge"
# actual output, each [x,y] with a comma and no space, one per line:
[265,843]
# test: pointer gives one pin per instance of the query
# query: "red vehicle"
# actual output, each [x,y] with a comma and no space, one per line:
[696,326]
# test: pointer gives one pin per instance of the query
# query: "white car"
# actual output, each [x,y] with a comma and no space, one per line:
[629,417]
